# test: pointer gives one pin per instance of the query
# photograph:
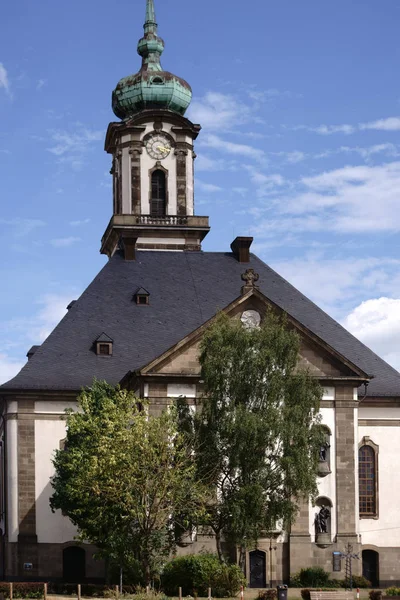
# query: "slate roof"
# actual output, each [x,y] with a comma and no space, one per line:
[186,289]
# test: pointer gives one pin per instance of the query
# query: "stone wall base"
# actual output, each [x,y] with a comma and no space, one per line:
[47,562]
[389,565]
[304,553]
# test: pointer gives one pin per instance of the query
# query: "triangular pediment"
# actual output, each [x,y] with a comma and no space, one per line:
[323,361]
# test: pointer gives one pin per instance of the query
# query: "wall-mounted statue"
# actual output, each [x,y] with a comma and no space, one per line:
[321,520]
[323,452]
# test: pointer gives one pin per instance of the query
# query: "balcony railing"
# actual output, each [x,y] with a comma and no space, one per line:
[168,220]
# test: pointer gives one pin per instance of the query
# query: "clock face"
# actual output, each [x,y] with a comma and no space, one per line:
[158,146]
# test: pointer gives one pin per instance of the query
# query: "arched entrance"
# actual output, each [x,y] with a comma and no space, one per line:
[74,564]
[257,569]
[370,566]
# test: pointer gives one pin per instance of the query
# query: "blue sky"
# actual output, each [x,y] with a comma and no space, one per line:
[300,108]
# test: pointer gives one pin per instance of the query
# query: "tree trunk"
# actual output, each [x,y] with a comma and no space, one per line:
[120,580]
[147,572]
[219,546]
[242,557]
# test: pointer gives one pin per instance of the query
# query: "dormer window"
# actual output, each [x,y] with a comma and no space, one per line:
[104,345]
[105,349]
[142,297]
[158,81]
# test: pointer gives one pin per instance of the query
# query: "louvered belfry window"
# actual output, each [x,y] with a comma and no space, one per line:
[158,203]
[367,480]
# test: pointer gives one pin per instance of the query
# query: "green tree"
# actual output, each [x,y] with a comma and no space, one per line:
[123,477]
[256,438]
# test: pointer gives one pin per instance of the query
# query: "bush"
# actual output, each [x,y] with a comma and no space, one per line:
[195,573]
[358,582]
[70,589]
[23,590]
[268,594]
[375,595]
[313,577]
[392,591]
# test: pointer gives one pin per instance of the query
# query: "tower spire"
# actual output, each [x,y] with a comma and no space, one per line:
[150,47]
[151,23]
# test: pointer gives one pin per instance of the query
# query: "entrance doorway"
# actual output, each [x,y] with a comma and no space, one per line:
[370,566]
[74,564]
[258,565]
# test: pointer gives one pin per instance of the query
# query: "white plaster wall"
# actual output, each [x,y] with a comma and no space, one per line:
[327,484]
[52,407]
[369,412]
[175,390]
[150,240]
[50,527]
[384,531]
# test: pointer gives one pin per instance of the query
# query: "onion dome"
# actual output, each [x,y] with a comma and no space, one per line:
[151,87]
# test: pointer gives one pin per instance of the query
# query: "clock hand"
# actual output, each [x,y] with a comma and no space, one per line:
[163,149]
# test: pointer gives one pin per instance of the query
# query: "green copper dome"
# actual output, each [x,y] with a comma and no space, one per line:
[151,87]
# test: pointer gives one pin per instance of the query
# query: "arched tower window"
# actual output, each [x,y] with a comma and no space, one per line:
[367,480]
[158,203]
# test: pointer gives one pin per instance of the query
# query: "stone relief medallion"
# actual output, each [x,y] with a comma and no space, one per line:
[251,319]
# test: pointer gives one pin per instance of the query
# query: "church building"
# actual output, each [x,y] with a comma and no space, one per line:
[140,322]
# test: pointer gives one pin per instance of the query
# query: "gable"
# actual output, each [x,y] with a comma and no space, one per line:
[183,358]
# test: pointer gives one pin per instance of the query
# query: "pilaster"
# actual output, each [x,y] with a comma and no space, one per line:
[135,151]
[27,538]
[345,406]
[181,154]
[300,539]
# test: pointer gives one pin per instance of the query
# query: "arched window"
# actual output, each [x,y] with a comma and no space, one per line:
[367,481]
[158,204]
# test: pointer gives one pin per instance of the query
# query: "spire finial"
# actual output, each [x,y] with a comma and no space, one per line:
[151,46]
[150,25]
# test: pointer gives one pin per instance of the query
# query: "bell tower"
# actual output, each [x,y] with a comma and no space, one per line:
[152,148]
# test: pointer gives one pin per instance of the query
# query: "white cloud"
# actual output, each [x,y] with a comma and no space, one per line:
[4,82]
[266,184]
[9,367]
[389,124]
[265,95]
[208,187]
[70,148]
[53,309]
[376,322]
[347,200]
[386,124]
[218,111]
[40,83]
[292,157]
[217,143]
[64,242]
[324,129]
[242,191]
[20,334]
[337,284]
[79,223]
[22,227]
[206,163]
